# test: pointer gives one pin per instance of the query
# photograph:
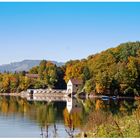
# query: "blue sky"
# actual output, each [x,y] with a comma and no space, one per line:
[62,31]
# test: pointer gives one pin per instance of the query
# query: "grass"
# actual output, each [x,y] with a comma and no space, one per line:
[105,125]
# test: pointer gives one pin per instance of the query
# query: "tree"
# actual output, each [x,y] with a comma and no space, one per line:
[34,70]
[89,86]
[42,67]
[86,73]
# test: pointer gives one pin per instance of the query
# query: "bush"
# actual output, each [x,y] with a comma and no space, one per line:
[129,91]
[103,125]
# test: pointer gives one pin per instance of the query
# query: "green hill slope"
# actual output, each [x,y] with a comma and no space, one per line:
[116,70]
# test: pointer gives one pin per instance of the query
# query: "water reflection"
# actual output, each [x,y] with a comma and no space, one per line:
[67,116]
[73,116]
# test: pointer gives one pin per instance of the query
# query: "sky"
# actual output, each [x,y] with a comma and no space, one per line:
[63,31]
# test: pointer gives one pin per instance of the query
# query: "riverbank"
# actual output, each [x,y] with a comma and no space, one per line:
[51,96]
[111,126]
[63,94]
[10,94]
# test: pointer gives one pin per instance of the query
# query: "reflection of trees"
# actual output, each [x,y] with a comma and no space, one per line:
[99,105]
[69,122]
[137,115]
[4,106]
[43,113]
[115,106]
[12,105]
[126,123]
[127,106]
[87,104]
[75,118]
[46,115]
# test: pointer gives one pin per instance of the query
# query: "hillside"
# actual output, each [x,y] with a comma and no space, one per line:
[113,70]
[24,65]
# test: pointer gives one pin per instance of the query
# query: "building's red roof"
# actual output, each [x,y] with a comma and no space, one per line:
[32,75]
[76,81]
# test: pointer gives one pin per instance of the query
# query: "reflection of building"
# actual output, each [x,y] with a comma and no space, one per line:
[73,85]
[73,106]
[69,104]
[31,91]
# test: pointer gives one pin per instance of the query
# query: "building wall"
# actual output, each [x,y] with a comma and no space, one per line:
[72,87]
[75,88]
[69,87]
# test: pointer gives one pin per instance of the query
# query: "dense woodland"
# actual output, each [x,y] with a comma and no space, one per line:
[114,71]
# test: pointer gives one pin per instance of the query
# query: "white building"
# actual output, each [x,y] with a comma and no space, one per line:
[73,85]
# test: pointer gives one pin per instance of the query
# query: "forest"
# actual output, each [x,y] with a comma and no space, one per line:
[115,71]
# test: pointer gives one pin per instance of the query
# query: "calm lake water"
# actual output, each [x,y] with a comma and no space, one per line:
[22,118]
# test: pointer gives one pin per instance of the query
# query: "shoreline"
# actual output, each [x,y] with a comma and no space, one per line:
[10,94]
[25,94]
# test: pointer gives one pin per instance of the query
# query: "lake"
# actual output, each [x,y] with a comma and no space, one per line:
[35,119]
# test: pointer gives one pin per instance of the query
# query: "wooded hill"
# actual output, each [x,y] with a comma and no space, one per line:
[114,71]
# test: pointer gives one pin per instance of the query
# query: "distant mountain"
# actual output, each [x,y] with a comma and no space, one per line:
[24,65]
